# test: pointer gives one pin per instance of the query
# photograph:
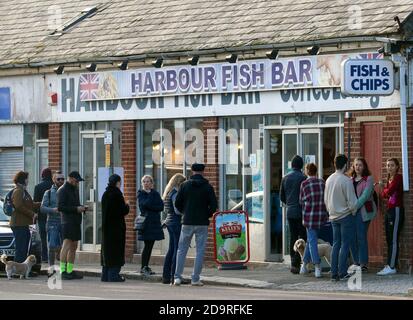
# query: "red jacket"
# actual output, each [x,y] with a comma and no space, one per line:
[393,192]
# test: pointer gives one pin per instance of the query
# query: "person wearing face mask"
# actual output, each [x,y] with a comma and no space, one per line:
[23,215]
[114,210]
[150,205]
[53,220]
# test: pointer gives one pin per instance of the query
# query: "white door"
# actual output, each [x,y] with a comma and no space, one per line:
[92,157]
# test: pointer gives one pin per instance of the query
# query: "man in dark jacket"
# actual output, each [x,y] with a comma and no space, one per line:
[68,204]
[39,191]
[290,196]
[197,201]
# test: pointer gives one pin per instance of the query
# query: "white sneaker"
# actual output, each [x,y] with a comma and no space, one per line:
[317,271]
[303,269]
[197,283]
[387,271]
[177,282]
[382,271]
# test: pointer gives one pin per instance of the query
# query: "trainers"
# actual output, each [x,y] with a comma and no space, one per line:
[197,283]
[146,272]
[294,270]
[382,271]
[335,278]
[364,269]
[387,271]
[345,277]
[67,276]
[317,271]
[303,269]
[177,282]
[150,271]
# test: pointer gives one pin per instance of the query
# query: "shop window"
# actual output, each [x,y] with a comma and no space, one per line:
[273,120]
[101,126]
[253,169]
[87,126]
[152,151]
[329,118]
[73,147]
[116,128]
[173,134]
[29,142]
[233,166]
[42,131]
[290,120]
[309,119]
[330,148]
[194,143]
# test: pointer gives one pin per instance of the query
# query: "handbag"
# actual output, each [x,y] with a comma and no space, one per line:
[140,223]
[140,219]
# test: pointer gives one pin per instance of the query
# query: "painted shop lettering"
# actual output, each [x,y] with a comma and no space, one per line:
[321,94]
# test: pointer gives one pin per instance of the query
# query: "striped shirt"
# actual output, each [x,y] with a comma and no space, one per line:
[312,201]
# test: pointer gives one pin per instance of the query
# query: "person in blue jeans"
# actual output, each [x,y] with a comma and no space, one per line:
[342,204]
[197,201]
[173,225]
[364,188]
[53,222]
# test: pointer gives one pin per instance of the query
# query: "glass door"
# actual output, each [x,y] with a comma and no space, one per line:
[310,147]
[290,144]
[92,157]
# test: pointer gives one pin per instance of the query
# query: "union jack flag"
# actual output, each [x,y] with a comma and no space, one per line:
[370,55]
[89,85]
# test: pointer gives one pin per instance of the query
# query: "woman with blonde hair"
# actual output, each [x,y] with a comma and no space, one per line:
[150,205]
[173,225]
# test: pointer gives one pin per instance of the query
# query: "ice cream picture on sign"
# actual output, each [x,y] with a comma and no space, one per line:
[232,248]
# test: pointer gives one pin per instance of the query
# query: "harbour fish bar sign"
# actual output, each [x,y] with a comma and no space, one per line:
[367,77]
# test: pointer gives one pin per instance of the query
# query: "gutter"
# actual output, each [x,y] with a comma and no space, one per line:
[200,52]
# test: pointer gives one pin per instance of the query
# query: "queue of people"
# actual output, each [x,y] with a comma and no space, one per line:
[347,199]
[349,202]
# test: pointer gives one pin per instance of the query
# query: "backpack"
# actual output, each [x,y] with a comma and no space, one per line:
[8,207]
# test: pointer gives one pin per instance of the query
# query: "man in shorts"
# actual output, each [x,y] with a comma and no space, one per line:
[68,203]
[54,221]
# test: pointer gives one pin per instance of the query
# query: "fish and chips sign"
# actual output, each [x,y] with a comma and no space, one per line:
[252,75]
[367,77]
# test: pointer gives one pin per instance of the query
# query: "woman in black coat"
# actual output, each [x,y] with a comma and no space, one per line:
[114,210]
[150,205]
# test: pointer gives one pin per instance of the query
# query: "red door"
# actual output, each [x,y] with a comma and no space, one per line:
[372,135]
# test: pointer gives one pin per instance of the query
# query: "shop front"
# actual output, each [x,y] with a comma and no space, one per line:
[259,123]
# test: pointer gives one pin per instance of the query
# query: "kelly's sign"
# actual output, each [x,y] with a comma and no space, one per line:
[253,75]
[367,77]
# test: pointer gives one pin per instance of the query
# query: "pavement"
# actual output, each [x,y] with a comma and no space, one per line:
[276,276]
[91,288]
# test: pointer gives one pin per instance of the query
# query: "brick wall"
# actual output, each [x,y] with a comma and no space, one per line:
[128,156]
[55,146]
[211,173]
[391,148]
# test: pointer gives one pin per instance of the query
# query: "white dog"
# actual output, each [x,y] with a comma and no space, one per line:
[22,269]
[324,250]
